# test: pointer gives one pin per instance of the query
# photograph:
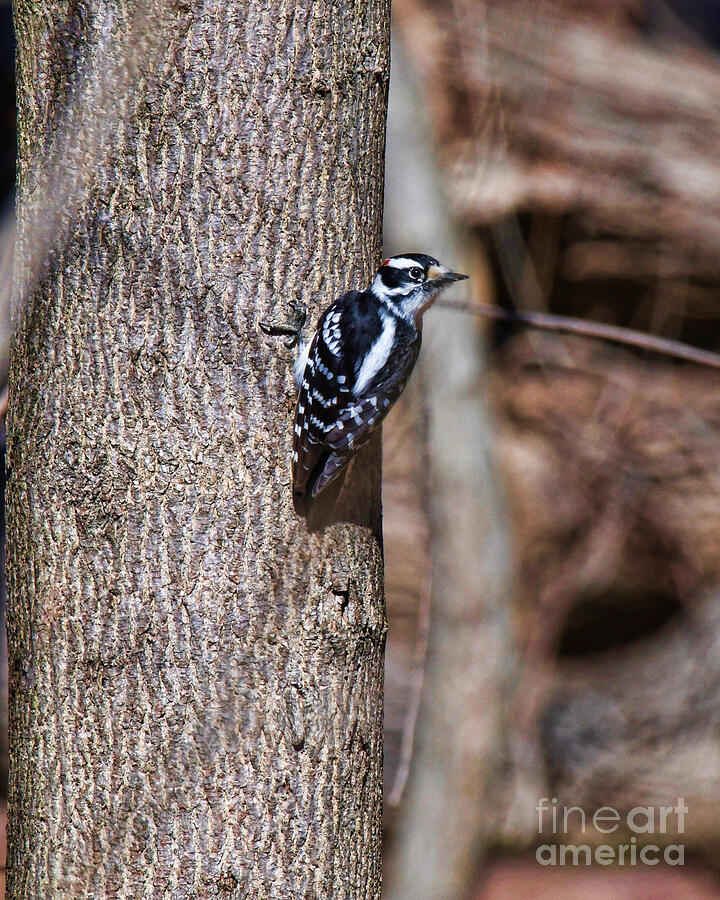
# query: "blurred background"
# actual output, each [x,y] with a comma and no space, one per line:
[565,153]
[552,503]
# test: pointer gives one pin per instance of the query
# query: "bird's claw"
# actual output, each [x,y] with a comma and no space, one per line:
[292,330]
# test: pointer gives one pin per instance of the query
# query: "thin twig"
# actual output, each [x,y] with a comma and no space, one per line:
[615,333]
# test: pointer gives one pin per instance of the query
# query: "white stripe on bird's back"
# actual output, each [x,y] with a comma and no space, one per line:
[301,364]
[377,356]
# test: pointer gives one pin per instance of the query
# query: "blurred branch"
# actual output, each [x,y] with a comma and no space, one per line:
[614,333]
[407,745]
[446,817]
[98,100]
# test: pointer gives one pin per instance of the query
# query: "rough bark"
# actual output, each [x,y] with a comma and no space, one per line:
[196,680]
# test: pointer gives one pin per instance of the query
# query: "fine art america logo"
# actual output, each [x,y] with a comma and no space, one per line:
[642,822]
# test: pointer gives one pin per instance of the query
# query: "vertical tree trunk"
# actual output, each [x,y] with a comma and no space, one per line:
[449,814]
[196,680]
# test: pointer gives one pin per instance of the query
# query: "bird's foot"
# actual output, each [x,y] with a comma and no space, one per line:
[292,330]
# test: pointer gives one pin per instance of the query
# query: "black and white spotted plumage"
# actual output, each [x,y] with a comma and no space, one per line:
[357,364]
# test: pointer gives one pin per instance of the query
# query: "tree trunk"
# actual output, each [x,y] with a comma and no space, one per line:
[448,814]
[196,680]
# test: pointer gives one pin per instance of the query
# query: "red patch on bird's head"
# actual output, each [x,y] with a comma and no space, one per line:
[385,262]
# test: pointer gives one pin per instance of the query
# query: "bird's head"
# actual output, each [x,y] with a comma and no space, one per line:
[410,282]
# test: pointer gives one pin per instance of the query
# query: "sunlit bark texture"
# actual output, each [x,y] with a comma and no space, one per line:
[196,679]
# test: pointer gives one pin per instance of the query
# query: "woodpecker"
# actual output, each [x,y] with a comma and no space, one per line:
[356,365]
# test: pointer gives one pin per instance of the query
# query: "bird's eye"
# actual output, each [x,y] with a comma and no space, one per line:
[416,273]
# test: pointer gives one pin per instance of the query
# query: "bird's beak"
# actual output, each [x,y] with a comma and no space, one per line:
[439,276]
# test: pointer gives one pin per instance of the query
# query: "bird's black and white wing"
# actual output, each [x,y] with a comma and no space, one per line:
[325,380]
[356,367]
